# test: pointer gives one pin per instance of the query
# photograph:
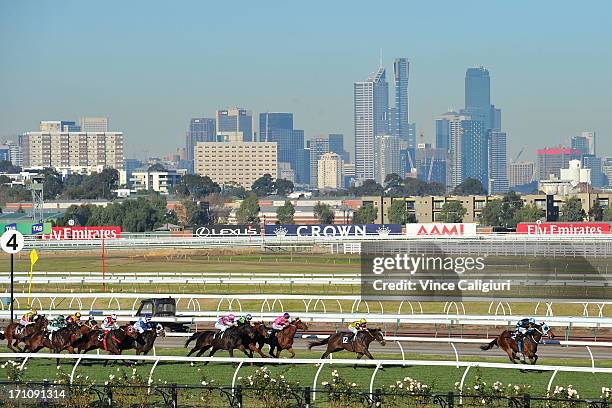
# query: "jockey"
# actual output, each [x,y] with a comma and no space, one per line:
[143,324]
[523,326]
[358,325]
[58,323]
[110,323]
[28,318]
[75,318]
[245,319]
[281,322]
[225,321]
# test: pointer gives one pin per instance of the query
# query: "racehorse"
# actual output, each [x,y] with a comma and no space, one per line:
[360,343]
[283,339]
[143,343]
[530,343]
[261,334]
[234,337]
[110,341]
[10,333]
[86,327]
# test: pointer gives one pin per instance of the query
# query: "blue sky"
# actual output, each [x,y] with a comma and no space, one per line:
[151,65]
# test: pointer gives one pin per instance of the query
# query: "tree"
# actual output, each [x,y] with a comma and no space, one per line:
[393,185]
[263,186]
[285,213]
[195,186]
[52,183]
[324,213]
[501,212]
[248,213]
[397,212]
[157,167]
[368,188]
[366,214]
[80,214]
[452,211]
[469,186]
[596,212]
[232,189]
[8,167]
[572,210]
[194,214]
[491,213]
[529,213]
[283,187]
[5,179]
[607,214]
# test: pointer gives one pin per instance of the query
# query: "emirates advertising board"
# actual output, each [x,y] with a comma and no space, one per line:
[563,228]
[83,233]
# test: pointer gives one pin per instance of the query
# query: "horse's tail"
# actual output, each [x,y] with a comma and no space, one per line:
[490,345]
[2,337]
[192,338]
[318,343]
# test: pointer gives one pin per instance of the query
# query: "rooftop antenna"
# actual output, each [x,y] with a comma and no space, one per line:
[381,58]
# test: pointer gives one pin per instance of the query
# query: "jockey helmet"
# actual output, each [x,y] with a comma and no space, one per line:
[78,314]
[147,318]
[286,315]
[249,316]
[34,311]
[231,317]
[532,320]
[363,321]
[114,317]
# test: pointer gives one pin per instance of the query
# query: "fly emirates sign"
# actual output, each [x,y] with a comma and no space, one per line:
[83,233]
[563,228]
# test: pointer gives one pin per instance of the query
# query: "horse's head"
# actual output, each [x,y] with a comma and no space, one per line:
[545,330]
[160,331]
[74,331]
[299,324]
[131,331]
[262,330]
[40,320]
[378,336]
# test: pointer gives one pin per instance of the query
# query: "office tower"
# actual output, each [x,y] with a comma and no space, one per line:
[336,145]
[594,163]
[474,152]
[478,95]
[306,157]
[94,124]
[498,163]
[290,148]
[84,150]
[590,137]
[317,148]
[386,157]
[431,164]
[348,171]
[330,168]
[496,120]
[371,105]
[520,173]
[285,172]
[606,167]
[234,125]
[552,160]
[449,136]
[401,70]
[59,126]
[238,162]
[15,152]
[392,117]
[5,153]
[580,143]
[200,130]
[269,121]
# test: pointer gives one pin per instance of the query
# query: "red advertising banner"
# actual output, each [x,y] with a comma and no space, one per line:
[563,228]
[83,233]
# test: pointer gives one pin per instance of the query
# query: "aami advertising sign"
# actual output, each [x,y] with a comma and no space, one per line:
[226,231]
[441,229]
[83,233]
[333,230]
[563,228]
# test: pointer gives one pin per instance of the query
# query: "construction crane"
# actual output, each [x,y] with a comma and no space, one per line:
[518,155]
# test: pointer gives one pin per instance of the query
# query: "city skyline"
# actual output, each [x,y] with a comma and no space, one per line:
[159,72]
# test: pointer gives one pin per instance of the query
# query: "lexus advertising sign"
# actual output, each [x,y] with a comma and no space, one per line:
[226,231]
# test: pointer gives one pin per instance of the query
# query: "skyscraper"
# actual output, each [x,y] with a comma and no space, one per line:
[273,120]
[371,105]
[234,125]
[401,69]
[200,130]
[592,162]
[431,164]
[580,143]
[336,145]
[330,171]
[498,163]
[551,161]
[520,173]
[474,152]
[94,124]
[478,95]
[449,136]
[317,148]
[386,157]
[590,137]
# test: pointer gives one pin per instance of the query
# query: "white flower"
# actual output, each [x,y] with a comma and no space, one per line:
[353,385]
[324,383]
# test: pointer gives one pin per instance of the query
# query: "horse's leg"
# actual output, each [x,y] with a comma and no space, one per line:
[367,353]
[203,350]
[252,348]
[290,350]
[212,353]
[359,355]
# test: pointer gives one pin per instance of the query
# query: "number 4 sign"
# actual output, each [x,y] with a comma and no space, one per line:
[12,241]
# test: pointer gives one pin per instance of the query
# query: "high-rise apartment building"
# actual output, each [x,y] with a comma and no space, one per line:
[59,126]
[317,146]
[371,106]
[401,70]
[85,150]
[498,163]
[200,130]
[235,162]
[234,125]
[330,171]
[15,152]
[386,157]
[552,160]
[449,136]
[431,164]
[474,152]
[94,124]
[521,173]
[580,143]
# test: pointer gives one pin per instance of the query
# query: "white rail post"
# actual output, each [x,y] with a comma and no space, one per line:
[372,379]
[456,354]
[461,384]
[151,375]
[552,377]
[314,383]
[592,359]
[235,376]
[74,369]
[401,349]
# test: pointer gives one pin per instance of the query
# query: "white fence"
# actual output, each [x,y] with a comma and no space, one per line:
[377,364]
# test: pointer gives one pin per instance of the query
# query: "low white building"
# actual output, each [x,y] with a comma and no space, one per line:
[160,181]
[572,180]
